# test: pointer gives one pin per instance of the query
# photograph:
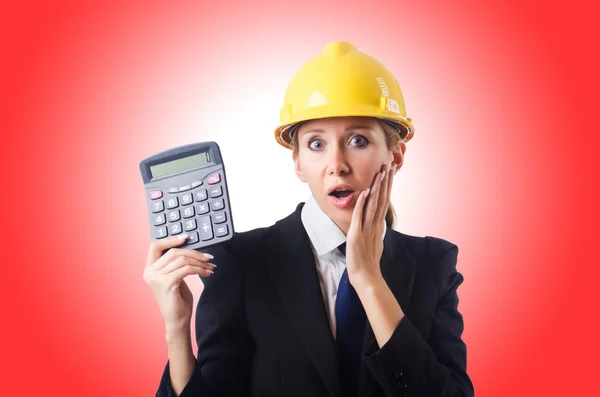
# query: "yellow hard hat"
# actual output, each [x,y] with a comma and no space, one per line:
[342,81]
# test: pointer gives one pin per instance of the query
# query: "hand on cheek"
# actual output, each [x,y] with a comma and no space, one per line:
[364,243]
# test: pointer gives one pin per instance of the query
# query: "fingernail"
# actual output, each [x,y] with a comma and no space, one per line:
[367,192]
[209,256]
[210,271]
[182,237]
[382,175]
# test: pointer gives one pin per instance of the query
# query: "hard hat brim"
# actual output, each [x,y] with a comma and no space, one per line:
[282,132]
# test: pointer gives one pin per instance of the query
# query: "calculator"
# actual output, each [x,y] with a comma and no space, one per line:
[186,192]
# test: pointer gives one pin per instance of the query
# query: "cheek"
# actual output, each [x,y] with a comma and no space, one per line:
[366,170]
[311,174]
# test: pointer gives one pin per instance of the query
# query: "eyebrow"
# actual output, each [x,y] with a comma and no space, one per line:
[349,128]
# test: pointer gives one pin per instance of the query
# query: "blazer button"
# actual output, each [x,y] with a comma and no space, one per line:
[402,384]
[398,373]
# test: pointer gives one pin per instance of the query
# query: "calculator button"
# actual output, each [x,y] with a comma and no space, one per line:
[188,212]
[159,219]
[172,190]
[202,208]
[173,216]
[160,232]
[192,238]
[155,194]
[196,184]
[186,199]
[185,187]
[206,232]
[220,217]
[221,231]
[173,202]
[175,228]
[200,195]
[214,178]
[216,191]
[158,206]
[189,225]
[217,204]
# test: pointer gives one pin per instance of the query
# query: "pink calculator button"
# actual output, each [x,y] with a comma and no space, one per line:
[214,178]
[154,194]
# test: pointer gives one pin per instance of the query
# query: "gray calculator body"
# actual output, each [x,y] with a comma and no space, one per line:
[186,192]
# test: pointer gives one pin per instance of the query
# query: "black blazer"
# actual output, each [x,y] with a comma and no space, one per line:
[262,328]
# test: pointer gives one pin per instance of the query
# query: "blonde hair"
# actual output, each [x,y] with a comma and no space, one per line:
[392,137]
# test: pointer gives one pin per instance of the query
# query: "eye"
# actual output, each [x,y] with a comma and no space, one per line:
[362,139]
[362,142]
[311,146]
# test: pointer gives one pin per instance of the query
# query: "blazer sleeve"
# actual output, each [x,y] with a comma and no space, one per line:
[225,346]
[408,365]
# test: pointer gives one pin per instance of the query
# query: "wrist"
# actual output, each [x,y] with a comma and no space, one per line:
[367,282]
[177,332]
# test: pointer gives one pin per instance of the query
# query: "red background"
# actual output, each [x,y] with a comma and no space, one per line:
[502,97]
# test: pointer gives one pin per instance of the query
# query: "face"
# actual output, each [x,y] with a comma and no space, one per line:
[346,151]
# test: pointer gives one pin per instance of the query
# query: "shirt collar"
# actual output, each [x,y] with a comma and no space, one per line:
[323,233]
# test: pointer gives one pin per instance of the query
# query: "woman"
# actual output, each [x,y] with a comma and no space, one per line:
[331,300]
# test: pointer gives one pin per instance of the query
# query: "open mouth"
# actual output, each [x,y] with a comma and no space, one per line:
[341,193]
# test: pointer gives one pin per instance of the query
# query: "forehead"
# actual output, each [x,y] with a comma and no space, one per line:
[338,124]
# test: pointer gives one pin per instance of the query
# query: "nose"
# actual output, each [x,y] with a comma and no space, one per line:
[336,161]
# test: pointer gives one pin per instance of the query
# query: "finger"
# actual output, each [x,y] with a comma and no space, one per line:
[181,261]
[382,197]
[388,190]
[372,200]
[173,253]
[357,214]
[158,246]
[178,275]
[389,193]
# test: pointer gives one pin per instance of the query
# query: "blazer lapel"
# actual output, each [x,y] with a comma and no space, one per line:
[398,270]
[292,266]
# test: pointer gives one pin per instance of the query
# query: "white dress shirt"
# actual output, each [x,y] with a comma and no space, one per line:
[325,237]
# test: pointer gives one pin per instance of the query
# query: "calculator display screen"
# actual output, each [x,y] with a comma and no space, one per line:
[182,164]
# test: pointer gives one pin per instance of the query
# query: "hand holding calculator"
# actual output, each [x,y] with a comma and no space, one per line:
[186,192]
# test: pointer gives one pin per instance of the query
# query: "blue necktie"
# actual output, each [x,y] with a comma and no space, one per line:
[350,325]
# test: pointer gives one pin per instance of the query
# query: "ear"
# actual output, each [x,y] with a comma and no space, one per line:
[398,154]
[297,169]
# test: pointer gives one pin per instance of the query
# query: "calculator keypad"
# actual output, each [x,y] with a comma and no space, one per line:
[190,209]
[202,209]
[158,206]
[189,225]
[159,220]
[172,202]
[216,191]
[200,195]
[220,217]
[160,232]
[186,199]
[188,212]
[175,228]
[206,231]
[173,216]
[221,231]
[217,205]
